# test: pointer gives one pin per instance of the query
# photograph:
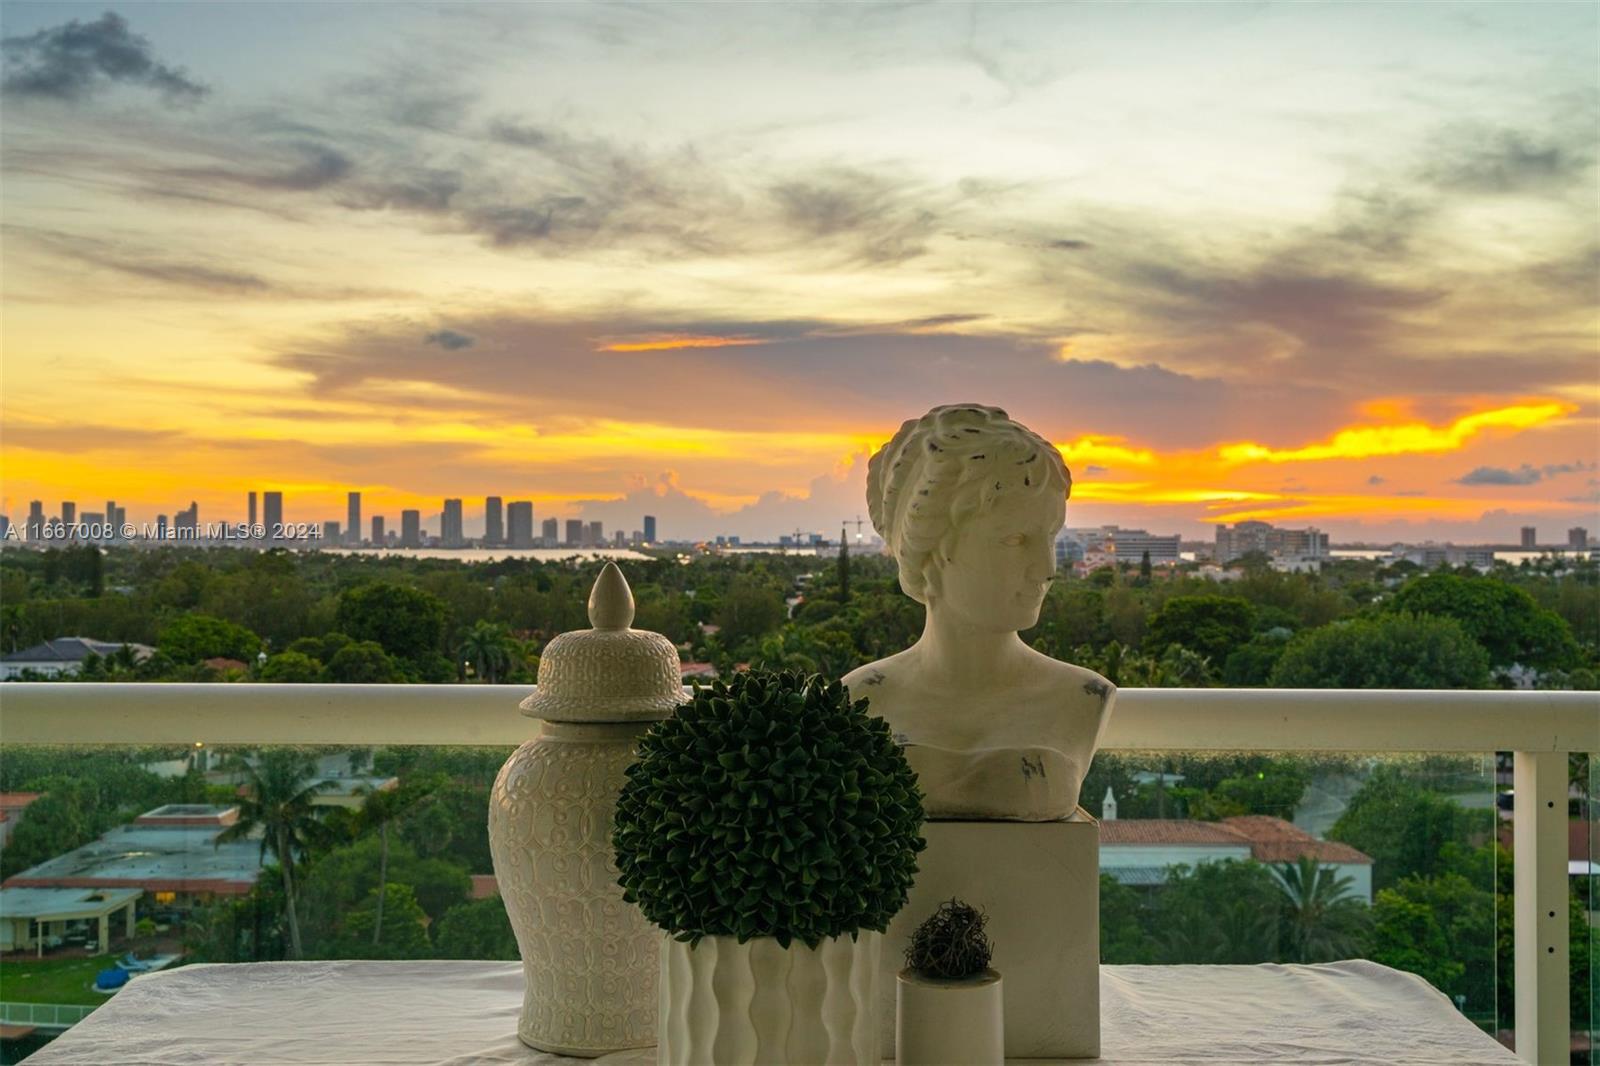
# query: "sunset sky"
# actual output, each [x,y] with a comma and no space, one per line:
[1316,264]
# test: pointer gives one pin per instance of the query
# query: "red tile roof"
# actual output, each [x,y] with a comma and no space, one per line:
[1275,840]
[1269,839]
[18,800]
[1167,831]
[484,886]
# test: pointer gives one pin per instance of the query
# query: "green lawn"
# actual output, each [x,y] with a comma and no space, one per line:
[52,980]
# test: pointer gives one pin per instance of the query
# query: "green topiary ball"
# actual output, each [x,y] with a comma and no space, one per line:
[769,806]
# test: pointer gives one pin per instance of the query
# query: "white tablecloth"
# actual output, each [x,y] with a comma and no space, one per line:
[456,1013]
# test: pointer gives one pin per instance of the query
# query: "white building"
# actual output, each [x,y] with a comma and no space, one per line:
[1430,556]
[1138,851]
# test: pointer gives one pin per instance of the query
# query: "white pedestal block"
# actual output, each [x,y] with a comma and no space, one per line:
[1039,882]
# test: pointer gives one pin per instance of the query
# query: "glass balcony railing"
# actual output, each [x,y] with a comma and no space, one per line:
[1353,844]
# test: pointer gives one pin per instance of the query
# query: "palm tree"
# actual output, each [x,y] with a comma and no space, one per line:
[489,647]
[277,800]
[1323,918]
[381,808]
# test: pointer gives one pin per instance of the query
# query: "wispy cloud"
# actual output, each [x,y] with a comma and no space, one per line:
[1526,474]
[450,340]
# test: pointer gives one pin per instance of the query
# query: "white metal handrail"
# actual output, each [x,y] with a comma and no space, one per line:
[1144,719]
[1539,727]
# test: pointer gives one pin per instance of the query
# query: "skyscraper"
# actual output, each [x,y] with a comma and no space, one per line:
[596,535]
[1578,537]
[410,529]
[574,533]
[114,518]
[450,525]
[377,531]
[1530,537]
[35,527]
[494,531]
[552,533]
[69,512]
[252,519]
[519,522]
[353,518]
[272,515]
[186,523]
[330,532]
[649,529]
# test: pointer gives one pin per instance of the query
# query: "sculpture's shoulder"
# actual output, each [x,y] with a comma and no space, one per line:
[884,674]
[1080,679]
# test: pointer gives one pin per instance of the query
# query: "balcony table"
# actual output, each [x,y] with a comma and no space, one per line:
[460,1013]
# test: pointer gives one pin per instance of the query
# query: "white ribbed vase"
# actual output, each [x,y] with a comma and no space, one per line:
[730,1004]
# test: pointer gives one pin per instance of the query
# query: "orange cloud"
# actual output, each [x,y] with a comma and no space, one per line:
[1108,450]
[1363,442]
[668,343]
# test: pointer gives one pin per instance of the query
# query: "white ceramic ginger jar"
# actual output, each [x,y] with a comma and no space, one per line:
[591,961]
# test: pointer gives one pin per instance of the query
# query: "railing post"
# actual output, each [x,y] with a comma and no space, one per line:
[1540,888]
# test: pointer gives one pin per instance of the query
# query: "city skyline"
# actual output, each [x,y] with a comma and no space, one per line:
[1229,283]
[511,524]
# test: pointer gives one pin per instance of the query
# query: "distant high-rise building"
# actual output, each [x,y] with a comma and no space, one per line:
[637,537]
[519,523]
[1578,537]
[272,514]
[450,534]
[69,512]
[1243,538]
[330,532]
[353,517]
[649,529]
[35,527]
[551,533]
[595,536]
[114,518]
[161,527]
[494,530]
[619,539]
[574,533]
[377,531]
[252,519]
[410,529]
[1530,537]
[5,526]
[186,523]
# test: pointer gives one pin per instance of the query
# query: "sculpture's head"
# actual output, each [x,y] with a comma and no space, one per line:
[969,503]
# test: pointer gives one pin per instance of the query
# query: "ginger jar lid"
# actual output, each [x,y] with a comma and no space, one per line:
[611,673]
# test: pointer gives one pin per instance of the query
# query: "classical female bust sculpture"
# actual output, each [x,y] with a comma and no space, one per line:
[969,503]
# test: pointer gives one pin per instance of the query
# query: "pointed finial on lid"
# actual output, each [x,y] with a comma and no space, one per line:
[611,601]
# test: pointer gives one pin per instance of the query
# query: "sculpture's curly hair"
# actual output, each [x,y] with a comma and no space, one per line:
[954,461]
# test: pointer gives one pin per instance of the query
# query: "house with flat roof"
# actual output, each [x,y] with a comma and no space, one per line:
[1138,851]
[37,918]
[171,853]
[64,655]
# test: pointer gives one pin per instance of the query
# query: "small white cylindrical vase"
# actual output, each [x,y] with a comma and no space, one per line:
[724,1003]
[938,1022]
